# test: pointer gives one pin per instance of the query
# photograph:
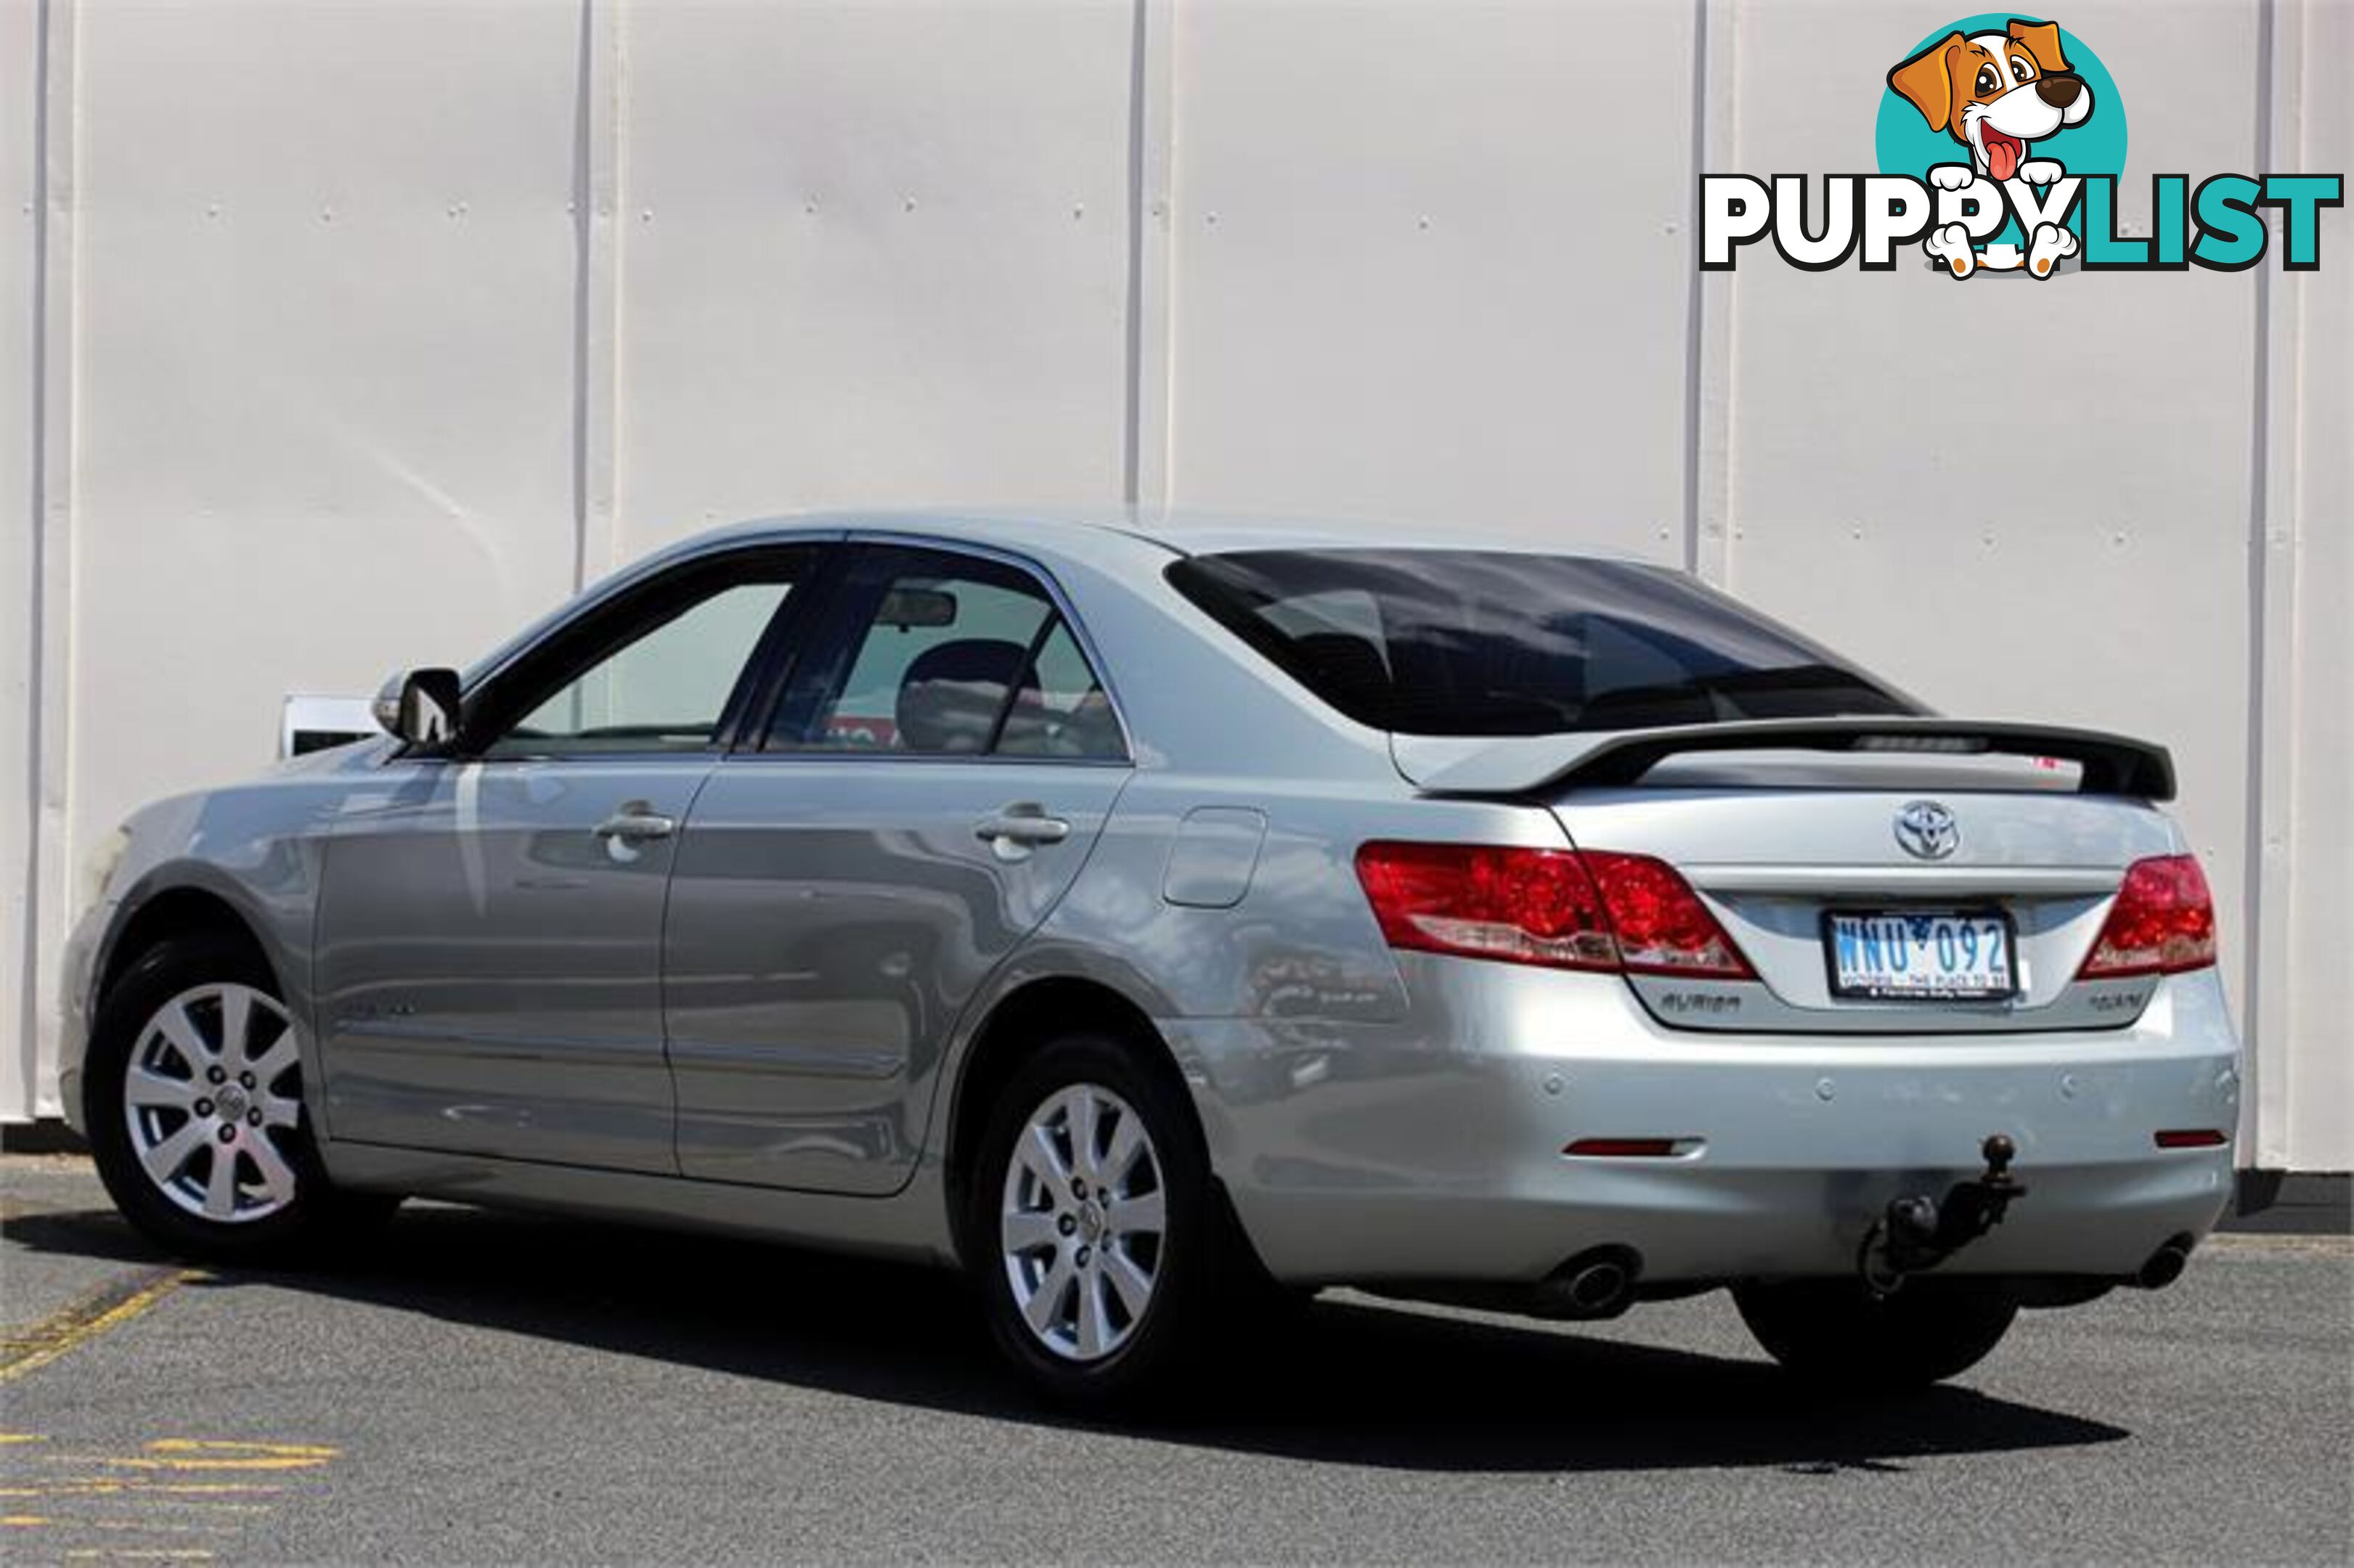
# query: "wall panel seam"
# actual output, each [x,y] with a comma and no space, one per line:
[19,1086]
[2270,739]
[596,199]
[1149,351]
[51,847]
[1708,363]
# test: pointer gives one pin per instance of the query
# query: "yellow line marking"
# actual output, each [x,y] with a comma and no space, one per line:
[198,1454]
[83,1320]
[160,1505]
[108,1485]
[159,1496]
[6,1438]
[278,1451]
[12,1208]
[125,1462]
[149,1526]
[2249,1243]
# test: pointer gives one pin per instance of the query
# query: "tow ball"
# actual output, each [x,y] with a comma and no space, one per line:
[1917,1232]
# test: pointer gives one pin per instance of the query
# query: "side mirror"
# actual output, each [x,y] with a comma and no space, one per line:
[420,706]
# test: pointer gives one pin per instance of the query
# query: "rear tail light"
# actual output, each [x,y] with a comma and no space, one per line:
[1529,906]
[1562,909]
[2162,923]
[2192,1138]
[1663,927]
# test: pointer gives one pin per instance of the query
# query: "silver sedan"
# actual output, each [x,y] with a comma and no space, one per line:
[1162,918]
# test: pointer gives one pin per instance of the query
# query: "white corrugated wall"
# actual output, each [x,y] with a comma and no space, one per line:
[339,337]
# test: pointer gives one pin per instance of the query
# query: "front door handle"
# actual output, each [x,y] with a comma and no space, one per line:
[637,819]
[1026,824]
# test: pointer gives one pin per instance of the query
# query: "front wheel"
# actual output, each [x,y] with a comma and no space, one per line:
[1836,1332]
[1094,1231]
[194,1103]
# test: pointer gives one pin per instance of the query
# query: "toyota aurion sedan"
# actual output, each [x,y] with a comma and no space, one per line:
[1161,918]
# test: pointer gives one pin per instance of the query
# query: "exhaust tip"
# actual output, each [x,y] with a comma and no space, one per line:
[1597,1286]
[1596,1283]
[2165,1265]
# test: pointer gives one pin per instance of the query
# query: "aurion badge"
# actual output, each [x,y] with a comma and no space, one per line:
[1928,831]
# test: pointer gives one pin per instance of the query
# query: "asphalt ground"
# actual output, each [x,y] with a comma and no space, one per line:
[493,1388]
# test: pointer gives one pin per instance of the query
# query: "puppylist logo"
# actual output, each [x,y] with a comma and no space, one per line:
[2000,141]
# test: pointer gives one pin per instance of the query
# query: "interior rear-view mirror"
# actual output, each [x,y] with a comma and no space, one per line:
[905,607]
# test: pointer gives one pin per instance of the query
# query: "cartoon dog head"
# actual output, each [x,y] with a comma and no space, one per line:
[1996,92]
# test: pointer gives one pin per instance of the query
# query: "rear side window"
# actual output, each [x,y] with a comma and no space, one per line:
[936,654]
[933,664]
[1477,642]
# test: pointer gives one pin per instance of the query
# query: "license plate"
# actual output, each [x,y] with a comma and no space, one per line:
[1903,956]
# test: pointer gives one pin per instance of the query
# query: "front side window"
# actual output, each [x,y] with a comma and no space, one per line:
[665,686]
[943,655]
[1478,642]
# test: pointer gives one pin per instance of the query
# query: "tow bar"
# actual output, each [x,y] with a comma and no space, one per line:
[1917,1232]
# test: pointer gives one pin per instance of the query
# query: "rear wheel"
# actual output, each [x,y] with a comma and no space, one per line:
[1836,1332]
[193,1097]
[1094,1232]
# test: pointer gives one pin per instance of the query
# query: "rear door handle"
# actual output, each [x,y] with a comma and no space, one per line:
[1022,824]
[634,821]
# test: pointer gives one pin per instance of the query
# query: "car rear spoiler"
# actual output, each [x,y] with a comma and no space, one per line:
[1521,765]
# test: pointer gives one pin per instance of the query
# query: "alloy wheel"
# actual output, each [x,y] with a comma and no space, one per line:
[1083,1223]
[213,1085]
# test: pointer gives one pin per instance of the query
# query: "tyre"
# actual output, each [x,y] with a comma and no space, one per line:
[193,1098]
[1836,1332]
[1096,1234]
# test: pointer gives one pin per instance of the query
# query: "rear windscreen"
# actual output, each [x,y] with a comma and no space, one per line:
[1494,642]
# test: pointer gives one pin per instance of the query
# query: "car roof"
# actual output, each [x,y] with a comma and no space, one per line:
[1117,538]
[1183,531]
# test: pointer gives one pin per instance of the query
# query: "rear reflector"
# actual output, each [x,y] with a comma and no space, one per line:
[1632,1148]
[2162,923]
[1562,909]
[2192,1138]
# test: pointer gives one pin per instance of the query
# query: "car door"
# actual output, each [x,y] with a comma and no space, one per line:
[934,778]
[490,929]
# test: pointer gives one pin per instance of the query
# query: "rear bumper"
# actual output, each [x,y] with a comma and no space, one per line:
[1431,1150]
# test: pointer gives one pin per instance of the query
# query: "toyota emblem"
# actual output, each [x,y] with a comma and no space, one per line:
[1928,831]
